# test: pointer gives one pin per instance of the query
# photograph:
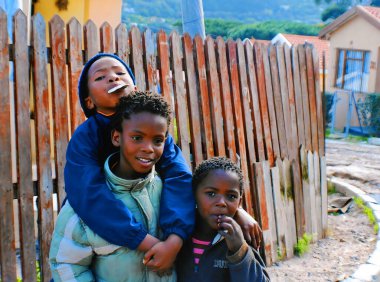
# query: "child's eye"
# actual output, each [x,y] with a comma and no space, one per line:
[136,138]
[121,73]
[232,197]
[210,194]
[99,78]
[158,141]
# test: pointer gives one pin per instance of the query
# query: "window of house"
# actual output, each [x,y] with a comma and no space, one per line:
[352,70]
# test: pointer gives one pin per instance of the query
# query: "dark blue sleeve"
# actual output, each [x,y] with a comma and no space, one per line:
[177,200]
[90,196]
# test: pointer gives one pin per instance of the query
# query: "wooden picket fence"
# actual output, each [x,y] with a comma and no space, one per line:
[259,105]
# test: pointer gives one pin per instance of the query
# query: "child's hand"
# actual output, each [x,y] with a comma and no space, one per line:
[231,232]
[162,255]
[251,229]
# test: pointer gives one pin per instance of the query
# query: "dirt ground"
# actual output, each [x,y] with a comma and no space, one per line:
[351,238]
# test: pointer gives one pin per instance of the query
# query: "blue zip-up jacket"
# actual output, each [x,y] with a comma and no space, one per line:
[95,204]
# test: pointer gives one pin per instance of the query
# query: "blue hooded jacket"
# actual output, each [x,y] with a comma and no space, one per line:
[92,200]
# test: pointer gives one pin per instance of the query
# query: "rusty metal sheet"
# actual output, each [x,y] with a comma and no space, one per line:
[59,101]
[42,121]
[207,138]
[192,99]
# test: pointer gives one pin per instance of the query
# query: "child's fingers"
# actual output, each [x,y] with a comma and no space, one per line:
[148,256]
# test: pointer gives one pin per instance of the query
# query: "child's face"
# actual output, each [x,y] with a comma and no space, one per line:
[141,143]
[103,75]
[218,194]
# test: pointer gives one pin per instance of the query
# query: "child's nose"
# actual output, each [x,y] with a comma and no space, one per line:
[220,201]
[147,147]
[113,77]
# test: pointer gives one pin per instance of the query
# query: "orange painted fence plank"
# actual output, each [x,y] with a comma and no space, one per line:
[150,62]
[319,101]
[312,97]
[136,62]
[106,38]
[91,39]
[122,42]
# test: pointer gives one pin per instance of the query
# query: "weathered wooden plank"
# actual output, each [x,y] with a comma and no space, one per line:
[298,96]
[324,196]
[271,213]
[106,38]
[279,212]
[263,218]
[278,106]
[122,42]
[75,65]
[312,98]
[207,139]
[59,101]
[91,40]
[246,102]
[7,236]
[258,52]
[150,62]
[254,102]
[214,93]
[44,172]
[318,195]
[305,97]
[319,101]
[306,190]
[136,61]
[226,100]
[239,121]
[192,99]
[310,163]
[164,71]
[180,94]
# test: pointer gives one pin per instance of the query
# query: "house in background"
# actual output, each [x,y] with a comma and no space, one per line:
[321,45]
[354,61]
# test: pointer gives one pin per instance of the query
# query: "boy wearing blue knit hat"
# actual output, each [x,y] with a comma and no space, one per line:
[104,79]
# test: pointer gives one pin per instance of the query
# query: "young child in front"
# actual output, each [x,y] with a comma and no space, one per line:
[77,253]
[217,250]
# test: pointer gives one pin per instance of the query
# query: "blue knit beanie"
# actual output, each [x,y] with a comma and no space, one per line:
[82,84]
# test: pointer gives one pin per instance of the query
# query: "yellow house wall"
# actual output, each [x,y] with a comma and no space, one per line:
[356,34]
[48,9]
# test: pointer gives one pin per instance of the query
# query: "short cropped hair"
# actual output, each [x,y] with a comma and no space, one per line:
[215,163]
[138,102]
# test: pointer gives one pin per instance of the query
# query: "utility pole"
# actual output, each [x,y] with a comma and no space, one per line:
[193,18]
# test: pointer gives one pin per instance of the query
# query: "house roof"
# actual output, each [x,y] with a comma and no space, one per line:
[264,42]
[371,14]
[320,45]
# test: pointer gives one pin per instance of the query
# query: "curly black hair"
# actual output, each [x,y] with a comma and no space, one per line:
[223,163]
[138,102]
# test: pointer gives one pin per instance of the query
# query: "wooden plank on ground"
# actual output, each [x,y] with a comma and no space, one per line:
[44,172]
[59,101]
[192,99]
[312,98]
[318,195]
[324,196]
[208,145]
[180,96]
[239,121]
[286,182]
[24,156]
[258,52]
[150,62]
[122,42]
[298,96]
[306,190]
[270,207]
[91,40]
[278,106]
[319,101]
[136,61]
[106,38]
[305,97]
[226,100]
[246,103]
[7,236]
[214,94]
[271,105]
[263,218]
[310,163]
[164,71]
[254,102]
[75,64]
[279,212]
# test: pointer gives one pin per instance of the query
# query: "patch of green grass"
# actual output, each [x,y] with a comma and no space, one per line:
[303,244]
[356,138]
[368,212]
[330,188]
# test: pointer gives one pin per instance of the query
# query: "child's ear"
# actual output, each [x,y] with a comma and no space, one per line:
[135,88]
[89,103]
[115,136]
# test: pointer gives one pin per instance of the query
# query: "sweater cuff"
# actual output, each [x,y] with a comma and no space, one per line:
[239,254]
